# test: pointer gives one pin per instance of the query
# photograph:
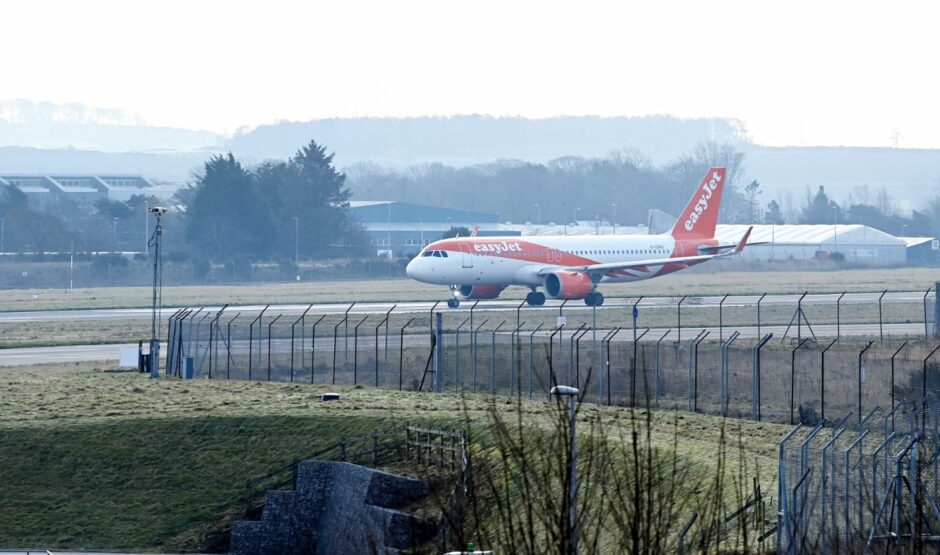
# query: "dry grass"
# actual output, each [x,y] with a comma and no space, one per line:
[99,459]
[692,282]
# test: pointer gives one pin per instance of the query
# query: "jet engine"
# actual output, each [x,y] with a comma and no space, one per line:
[568,285]
[474,292]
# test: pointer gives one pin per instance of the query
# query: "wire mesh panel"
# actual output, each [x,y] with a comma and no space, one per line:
[490,355]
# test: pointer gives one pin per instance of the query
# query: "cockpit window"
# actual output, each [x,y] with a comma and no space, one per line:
[437,254]
[427,253]
[444,254]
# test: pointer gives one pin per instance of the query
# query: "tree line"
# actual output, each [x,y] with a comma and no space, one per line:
[276,210]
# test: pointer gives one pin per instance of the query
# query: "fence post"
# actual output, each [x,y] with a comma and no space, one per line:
[228,347]
[457,357]
[529,377]
[679,318]
[605,347]
[401,355]
[356,350]
[721,319]
[551,355]
[439,358]
[697,341]
[473,353]
[936,311]
[493,358]
[251,339]
[571,369]
[335,332]
[924,392]
[822,380]
[691,385]
[301,343]
[724,383]
[656,371]
[271,323]
[577,362]
[755,378]
[926,331]
[346,334]
[881,332]
[861,378]
[839,317]
[758,313]
[633,376]
[892,374]
[793,374]
[313,348]
[513,374]
[609,340]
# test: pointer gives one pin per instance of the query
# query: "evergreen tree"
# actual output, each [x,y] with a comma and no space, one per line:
[773,215]
[227,215]
[820,209]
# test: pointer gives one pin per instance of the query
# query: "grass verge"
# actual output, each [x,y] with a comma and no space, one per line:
[97,459]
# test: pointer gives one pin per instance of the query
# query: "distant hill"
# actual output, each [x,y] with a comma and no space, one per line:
[464,140]
[42,138]
[79,127]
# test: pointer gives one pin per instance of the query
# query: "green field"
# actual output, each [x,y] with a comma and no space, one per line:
[690,282]
[97,459]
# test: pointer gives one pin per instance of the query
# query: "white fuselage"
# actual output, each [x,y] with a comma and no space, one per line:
[507,261]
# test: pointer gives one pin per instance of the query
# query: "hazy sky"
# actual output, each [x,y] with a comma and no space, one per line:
[815,73]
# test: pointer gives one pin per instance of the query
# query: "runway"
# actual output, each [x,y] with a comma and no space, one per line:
[426,306]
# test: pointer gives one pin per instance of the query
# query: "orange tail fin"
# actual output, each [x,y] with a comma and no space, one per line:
[700,216]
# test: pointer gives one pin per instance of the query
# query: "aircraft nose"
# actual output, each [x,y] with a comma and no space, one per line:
[411,270]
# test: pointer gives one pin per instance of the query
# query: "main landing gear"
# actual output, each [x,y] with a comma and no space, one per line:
[594,299]
[535,298]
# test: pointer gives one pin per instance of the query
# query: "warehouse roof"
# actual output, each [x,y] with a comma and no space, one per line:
[808,234]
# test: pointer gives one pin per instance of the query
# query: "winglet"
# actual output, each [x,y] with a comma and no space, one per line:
[743,240]
[475,232]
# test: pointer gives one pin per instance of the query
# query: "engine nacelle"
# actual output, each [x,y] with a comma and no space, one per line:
[568,285]
[474,292]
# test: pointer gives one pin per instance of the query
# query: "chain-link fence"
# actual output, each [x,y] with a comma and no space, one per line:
[728,370]
[862,486]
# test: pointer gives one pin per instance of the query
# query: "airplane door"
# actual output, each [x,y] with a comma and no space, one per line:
[466,258]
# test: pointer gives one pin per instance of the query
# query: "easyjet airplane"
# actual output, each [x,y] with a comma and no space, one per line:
[571,266]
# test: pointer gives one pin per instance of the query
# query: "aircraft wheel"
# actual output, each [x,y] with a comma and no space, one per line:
[532,299]
[539,299]
[594,299]
[453,302]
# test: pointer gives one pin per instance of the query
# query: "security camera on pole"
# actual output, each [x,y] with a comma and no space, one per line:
[158,212]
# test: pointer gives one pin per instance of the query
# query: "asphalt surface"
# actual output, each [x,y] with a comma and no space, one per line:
[426,306]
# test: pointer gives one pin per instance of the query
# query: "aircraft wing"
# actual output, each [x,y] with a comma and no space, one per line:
[643,265]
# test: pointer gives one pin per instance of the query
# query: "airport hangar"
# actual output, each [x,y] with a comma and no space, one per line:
[404,228]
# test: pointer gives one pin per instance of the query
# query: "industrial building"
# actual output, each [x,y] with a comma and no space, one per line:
[851,243]
[404,228]
[84,190]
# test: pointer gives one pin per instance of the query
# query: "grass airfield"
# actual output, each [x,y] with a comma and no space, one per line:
[696,281]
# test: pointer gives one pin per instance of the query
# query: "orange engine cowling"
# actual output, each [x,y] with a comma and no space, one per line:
[473,292]
[568,285]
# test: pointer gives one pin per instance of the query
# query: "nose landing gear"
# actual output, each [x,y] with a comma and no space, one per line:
[453,302]
[594,299]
